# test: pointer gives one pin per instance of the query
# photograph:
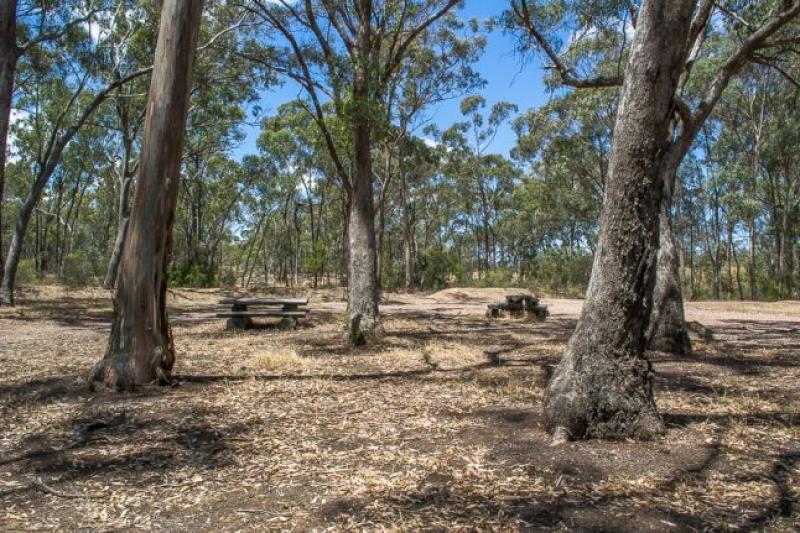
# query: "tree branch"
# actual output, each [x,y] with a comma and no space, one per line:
[53,35]
[568,77]
[735,62]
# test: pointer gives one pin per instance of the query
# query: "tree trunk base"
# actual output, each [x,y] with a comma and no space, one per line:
[668,331]
[114,373]
[674,340]
[603,397]
[363,329]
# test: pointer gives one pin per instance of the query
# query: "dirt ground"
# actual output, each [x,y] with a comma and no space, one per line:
[273,430]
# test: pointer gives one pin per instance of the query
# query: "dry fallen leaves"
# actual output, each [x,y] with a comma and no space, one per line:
[275,430]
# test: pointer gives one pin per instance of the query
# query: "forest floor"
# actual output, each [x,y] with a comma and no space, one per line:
[274,430]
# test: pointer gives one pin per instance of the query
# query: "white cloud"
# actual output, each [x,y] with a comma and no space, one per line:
[430,142]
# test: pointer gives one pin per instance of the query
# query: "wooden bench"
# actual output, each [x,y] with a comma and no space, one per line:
[518,306]
[241,315]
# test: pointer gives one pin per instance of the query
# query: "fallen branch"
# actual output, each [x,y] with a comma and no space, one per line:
[44,487]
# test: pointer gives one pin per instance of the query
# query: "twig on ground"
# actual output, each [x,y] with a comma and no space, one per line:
[44,487]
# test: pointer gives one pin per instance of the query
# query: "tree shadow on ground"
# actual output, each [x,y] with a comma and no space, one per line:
[441,374]
[112,443]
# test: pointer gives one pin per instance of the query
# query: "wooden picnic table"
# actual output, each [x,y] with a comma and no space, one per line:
[241,315]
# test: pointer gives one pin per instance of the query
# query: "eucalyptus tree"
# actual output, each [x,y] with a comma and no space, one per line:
[224,85]
[59,100]
[564,147]
[757,34]
[347,52]
[140,348]
[438,68]
[779,189]
[25,26]
[485,179]
[127,103]
[603,385]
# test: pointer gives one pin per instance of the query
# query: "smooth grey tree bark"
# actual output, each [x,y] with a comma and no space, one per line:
[667,331]
[125,179]
[140,348]
[363,322]
[122,230]
[603,386]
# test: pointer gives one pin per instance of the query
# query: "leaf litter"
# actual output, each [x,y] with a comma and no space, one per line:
[437,428]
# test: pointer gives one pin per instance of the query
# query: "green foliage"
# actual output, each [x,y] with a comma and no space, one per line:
[27,273]
[316,260]
[436,268]
[194,276]
[475,217]
[498,277]
[557,274]
[227,279]
[77,270]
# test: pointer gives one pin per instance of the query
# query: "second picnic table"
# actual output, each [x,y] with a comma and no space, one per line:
[241,313]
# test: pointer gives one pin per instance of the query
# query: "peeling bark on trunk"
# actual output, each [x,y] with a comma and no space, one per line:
[140,348]
[9,54]
[603,386]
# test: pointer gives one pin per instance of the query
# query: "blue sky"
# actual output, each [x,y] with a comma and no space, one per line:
[507,80]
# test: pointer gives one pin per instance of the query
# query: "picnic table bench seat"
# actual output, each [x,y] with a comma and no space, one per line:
[240,315]
[518,306]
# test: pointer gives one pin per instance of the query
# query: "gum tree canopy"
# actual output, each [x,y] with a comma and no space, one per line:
[346,56]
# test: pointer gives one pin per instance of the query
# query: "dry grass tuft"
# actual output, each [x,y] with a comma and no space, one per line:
[450,355]
[278,359]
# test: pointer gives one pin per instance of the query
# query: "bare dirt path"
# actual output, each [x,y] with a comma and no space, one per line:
[274,430]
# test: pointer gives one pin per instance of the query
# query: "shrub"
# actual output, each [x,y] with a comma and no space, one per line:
[77,270]
[435,266]
[192,276]
[26,273]
[227,279]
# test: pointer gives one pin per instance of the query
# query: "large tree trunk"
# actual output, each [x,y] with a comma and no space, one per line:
[364,320]
[603,386]
[140,348]
[667,331]
[9,54]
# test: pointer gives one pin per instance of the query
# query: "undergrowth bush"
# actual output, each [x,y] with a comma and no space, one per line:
[77,270]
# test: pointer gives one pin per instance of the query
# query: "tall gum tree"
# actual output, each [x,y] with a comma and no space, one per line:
[11,51]
[140,348]
[603,385]
[345,55]
[761,40]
